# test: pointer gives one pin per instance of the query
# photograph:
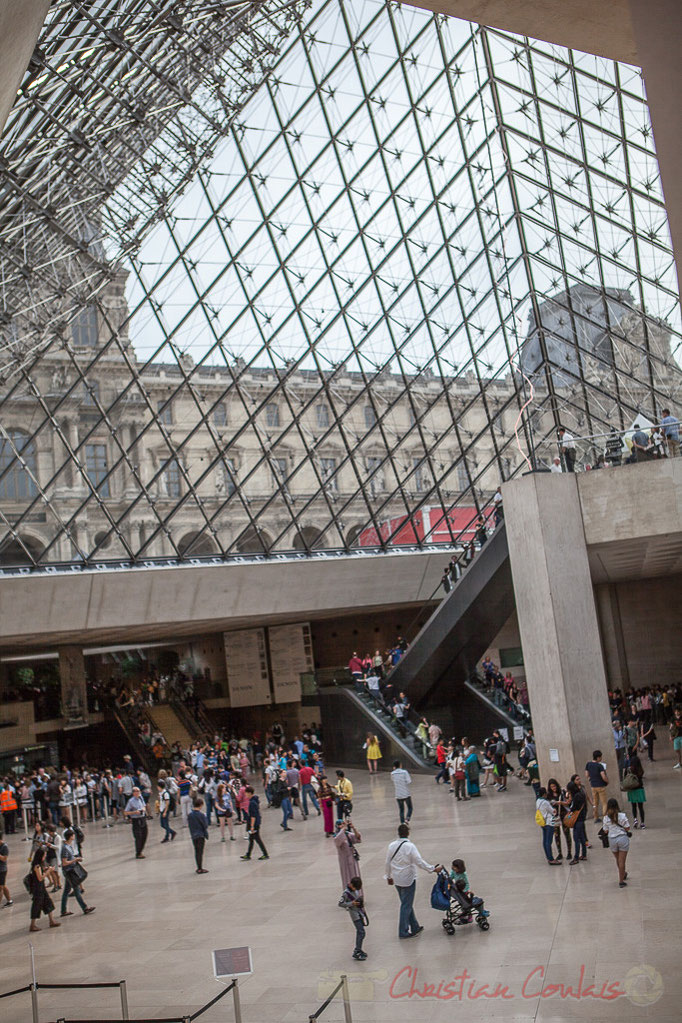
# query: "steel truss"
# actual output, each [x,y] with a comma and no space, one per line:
[362,205]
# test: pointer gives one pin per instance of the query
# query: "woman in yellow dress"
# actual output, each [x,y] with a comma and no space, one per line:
[373,753]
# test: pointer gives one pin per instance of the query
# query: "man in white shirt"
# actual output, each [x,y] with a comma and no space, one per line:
[567,448]
[401,783]
[402,860]
[556,465]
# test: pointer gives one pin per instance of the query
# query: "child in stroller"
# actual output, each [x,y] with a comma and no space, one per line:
[463,904]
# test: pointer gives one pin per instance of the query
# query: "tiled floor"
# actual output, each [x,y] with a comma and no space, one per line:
[157,921]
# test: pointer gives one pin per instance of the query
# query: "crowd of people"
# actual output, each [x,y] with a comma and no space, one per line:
[642,444]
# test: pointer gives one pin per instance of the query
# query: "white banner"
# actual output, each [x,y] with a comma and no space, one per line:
[291,653]
[248,682]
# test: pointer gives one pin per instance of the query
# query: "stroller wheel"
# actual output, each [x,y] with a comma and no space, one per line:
[483,924]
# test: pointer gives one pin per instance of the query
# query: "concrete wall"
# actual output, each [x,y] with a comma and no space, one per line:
[97,607]
[20,25]
[508,636]
[640,628]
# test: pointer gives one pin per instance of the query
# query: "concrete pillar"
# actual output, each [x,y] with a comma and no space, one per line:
[657,29]
[558,625]
[72,677]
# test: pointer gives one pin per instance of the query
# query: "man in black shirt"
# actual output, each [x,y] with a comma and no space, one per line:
[595,772]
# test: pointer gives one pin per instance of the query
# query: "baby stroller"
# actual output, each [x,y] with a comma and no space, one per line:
[460,907]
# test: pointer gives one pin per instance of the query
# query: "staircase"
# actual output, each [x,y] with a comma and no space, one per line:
[171,725]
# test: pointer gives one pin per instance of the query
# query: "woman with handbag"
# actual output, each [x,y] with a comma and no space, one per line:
[40,900]
[633,786]
[575,818]
[617,828]
[74,874]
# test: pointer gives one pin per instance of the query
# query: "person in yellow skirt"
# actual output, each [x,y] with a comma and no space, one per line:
[373,753]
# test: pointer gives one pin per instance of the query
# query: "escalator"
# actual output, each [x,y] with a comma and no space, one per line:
[349,714]
[447,648]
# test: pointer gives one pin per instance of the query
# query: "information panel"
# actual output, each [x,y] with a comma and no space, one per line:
[291,652]
[248,682]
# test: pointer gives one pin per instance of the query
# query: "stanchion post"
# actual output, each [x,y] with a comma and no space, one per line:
[24,813]
[34,1003]
[78,812]
[92,807]
[345,991]
[237,1003]
[124,1000]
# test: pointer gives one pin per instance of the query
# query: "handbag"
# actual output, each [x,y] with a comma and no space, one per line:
[602,835]
[630,782]
[460,775]
[571,819]
[77,873]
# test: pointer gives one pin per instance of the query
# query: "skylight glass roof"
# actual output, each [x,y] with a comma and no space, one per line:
[451,238]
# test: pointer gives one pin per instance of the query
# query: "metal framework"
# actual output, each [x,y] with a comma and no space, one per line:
[355,205]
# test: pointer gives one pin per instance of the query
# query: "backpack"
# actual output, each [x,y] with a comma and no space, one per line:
[440,897]
[27,882]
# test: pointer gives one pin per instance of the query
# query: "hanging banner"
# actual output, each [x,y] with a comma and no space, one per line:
[291,653]
[248,681]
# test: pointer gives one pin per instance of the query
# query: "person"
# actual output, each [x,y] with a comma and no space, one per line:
[306,775]
[8,805]
[473,770]
[326,797]
[402,860]
[401,783]
[441,761]
[354,901]
[676,738]
[446,580]
[355,666]
[435,733]
[546,818]
[501,766]
[40,900]
[617,828]
[636,796]
[198,831]
[671,429]
[498,506]
[346,839]
[619,741]
[4,857]
[73,880]
[595,772]
[164,802]
[223,809]
[373,752]
[556,465]
[559,799]
[281,798]
[648,738]
[344,793]
[136,811]
[253,823]
[567,448]
[458,776]
[578,802]
[641,444]
[184,787]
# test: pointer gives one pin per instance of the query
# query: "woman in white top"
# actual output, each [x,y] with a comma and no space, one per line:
[545,810]
[458,776]
[617,827]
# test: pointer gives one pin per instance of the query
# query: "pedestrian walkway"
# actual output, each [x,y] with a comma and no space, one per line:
[548,927]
